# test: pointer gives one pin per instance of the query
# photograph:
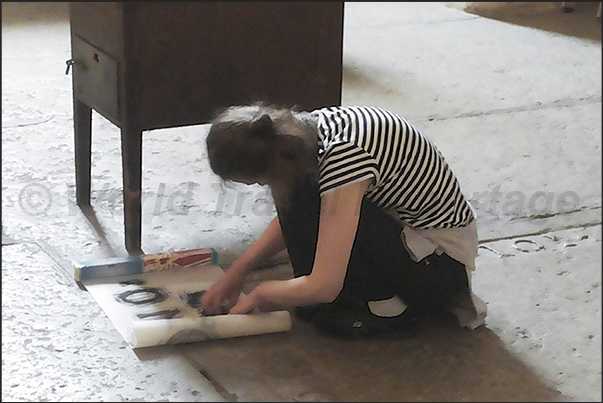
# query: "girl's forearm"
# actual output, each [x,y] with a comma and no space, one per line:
[267,245]
[278,294]
[337,230]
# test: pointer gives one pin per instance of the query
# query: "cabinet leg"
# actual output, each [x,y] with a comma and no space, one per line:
[82,122]
[131,143]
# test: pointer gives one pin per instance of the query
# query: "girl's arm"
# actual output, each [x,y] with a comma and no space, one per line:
[339,217]
[228,287]
[267,245]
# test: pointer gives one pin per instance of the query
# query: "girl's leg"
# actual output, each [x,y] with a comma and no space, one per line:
[379,267]
[380,260]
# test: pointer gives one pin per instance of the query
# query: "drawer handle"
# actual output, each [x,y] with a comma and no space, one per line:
[69,63]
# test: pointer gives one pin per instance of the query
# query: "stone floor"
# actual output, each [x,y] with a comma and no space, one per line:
[511,95]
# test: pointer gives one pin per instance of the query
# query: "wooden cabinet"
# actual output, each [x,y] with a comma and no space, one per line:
[155,65]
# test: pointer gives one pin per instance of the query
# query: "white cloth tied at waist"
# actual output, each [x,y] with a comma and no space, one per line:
[460,244]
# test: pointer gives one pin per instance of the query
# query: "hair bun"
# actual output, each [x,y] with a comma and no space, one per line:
[263,127]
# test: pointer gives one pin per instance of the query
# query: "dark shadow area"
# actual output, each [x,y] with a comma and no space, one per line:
[577,19]
[90,215]
[443,363]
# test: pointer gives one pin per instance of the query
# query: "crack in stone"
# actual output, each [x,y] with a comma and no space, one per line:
[541,232]
[562,103]
[554,214]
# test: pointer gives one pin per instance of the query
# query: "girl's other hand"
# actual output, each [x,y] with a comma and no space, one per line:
[222,295]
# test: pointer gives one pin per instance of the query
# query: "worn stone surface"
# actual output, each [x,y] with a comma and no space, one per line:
[515,110]
[544,302]
[57,344]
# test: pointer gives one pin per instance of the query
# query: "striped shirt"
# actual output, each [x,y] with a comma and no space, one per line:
[410,176]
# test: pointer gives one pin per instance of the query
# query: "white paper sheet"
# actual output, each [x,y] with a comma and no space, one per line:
[163,308]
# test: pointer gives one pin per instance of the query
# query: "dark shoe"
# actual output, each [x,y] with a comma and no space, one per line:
[308,313]
[358,322]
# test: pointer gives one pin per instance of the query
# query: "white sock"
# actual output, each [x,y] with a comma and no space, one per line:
[387,307]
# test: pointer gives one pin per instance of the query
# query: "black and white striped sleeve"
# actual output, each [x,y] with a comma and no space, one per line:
[344,163]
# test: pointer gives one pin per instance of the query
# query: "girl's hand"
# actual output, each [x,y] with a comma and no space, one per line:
[254,300]
[226,291]
[222,295]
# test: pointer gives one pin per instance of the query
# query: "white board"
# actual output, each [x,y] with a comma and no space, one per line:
[163,307]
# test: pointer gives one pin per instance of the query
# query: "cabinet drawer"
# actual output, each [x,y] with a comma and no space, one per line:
[95,78]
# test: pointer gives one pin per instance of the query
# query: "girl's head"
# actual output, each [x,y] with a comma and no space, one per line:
[262,144]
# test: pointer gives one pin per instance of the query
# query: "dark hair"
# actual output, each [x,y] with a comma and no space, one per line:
[261,141]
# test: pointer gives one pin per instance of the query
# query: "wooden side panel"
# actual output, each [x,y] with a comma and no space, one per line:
[185,60]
